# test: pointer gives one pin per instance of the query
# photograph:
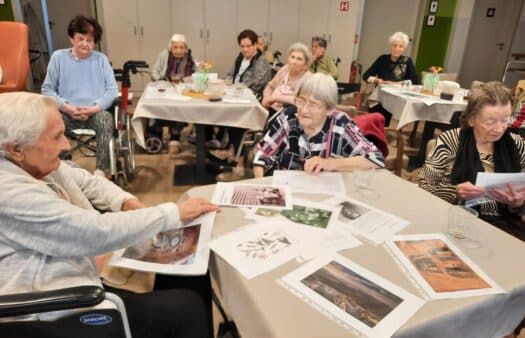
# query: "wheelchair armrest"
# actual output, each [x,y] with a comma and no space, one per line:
[44,301]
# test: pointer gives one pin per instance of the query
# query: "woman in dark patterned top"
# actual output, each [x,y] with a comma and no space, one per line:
[314,136]
[391,68]
[483,143]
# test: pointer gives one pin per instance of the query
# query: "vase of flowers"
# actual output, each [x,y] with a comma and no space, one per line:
[431,79]
[200,77]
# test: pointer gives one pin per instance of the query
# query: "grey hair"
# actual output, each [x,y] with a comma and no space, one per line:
[301,47]
[178,38]
[399,36]
[22,118]
[322,87]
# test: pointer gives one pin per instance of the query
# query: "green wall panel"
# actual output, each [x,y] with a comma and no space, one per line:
[6,12]
[433,42]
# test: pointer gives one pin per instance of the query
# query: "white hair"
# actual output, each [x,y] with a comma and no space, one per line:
[22,118]
[322,87]
[399,36]
[177,38]
[301,47]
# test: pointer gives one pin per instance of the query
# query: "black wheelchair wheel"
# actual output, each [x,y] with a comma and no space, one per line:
[87,145]
[153,145]
[128,154]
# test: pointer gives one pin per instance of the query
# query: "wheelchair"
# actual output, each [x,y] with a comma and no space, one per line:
[84,322]
[121,145]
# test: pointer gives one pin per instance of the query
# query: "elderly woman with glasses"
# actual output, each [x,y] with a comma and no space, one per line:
[482,144]
[314,136]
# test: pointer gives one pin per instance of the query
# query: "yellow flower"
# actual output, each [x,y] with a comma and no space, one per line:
[435,69]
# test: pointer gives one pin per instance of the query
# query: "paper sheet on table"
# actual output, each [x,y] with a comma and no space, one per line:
[299,181]
[498,181]
[182,251]
[365,221]
[254,250]
[231,100]
[169,93]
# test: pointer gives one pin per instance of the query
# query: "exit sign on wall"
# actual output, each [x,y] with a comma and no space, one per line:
[344,6]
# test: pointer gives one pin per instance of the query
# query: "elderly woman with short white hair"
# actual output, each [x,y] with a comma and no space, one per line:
[176,61]
[282,88]
[391,68]
[315,137]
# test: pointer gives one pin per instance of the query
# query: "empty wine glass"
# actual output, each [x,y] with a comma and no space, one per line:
[461,226]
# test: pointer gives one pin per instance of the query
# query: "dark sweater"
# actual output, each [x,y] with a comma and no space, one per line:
[388,70]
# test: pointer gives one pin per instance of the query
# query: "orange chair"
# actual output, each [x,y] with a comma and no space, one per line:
[14,56]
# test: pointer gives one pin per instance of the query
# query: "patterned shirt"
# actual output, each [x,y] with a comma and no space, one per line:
[286,146]
[435,174]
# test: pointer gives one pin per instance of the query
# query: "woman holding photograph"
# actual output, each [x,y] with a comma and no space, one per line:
[482,144]
[315,137]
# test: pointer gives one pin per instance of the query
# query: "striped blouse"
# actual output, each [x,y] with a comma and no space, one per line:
[286,146]
[435,175]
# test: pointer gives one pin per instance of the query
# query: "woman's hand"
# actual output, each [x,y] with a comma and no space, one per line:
[315,164]
[512,197]
[467,190]
[194,207]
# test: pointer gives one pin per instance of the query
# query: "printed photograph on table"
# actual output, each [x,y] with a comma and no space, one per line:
[357,297]
[249,195]
[440,268]
[365,221]
[180,251]
[315,217]
[255,250]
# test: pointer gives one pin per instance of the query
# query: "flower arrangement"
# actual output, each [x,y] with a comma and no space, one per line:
[203,66]
[435,69]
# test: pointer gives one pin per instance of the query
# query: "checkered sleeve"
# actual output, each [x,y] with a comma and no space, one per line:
[354,143]
[273,144]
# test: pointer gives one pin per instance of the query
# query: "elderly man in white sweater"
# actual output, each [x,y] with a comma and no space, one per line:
[49,227]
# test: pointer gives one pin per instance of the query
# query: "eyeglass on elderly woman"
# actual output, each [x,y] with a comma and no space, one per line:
[310,104]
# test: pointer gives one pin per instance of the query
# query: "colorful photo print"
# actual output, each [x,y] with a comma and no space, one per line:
[264,247]
[356,295]
[351,211]
[255,195]
[440,266]
[315,217]
[170,247]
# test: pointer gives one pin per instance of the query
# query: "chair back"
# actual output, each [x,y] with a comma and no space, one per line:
[14,58]
[373,128]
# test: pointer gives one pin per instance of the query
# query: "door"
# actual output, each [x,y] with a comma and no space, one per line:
[122,34]
[283,25]
[60,12]
[491,31]
[187,17]
[313,20]
[154,29]
[253,14]
[221,45]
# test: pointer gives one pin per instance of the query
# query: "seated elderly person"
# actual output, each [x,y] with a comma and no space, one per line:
[482,144]
[173,64]
[82,81]
[314,136]
[392,68]
[51,227]
[282,88]
[321,62]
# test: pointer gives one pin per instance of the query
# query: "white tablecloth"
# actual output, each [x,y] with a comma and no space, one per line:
[410,107]
[170,105]
[262,308]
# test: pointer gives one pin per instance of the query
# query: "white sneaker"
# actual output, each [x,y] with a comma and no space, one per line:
[99,172]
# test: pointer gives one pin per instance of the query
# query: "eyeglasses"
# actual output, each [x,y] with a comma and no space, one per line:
[301,103]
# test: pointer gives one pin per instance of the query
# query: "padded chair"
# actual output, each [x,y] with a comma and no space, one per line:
[87,322]
[14,58]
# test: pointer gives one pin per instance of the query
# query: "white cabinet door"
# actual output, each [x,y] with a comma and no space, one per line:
[187,17]
[253,14]
[122,34]
[283,25]
[313,20]
[221,46]
[341,30]
[155,28]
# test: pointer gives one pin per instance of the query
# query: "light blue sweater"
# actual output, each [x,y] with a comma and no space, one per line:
[80,82]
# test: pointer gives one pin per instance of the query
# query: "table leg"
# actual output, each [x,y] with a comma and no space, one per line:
[198,173]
